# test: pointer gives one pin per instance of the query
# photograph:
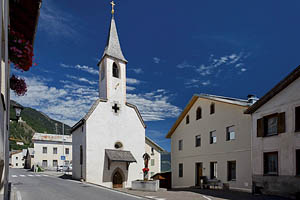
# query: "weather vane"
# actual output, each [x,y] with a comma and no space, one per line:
[112,7]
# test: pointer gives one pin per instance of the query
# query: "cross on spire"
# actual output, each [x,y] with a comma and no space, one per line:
[116,108]
[112,7]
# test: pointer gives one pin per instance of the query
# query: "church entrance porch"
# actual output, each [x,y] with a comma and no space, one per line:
[117,180]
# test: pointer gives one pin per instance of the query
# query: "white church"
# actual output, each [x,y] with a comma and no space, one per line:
[109,141]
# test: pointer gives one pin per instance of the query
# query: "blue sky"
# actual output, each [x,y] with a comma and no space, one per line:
[175,49]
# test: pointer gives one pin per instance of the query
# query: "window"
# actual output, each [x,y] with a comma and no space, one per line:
[230,133]
[67,151]
[44,163]
[213,170]
[198,113]
[116,70]
[198,140]
[180,145]
[212,108]
[152,151]
[54,150]
[298,162]
[152,162]
[213,137]
[297,118]
[231,166]
[17,158]
[271,163]
[180,174]
[187,119]
[55,163]
[271,125]
[44,149]
[17,164]
[102,72]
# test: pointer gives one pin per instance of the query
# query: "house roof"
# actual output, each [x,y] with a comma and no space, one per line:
[119,155]
[51,137]
[275,90]
[228,100]
[94,106]
[113,47]
[13,152]
[154,144]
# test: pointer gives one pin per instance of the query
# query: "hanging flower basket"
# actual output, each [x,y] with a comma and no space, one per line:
[18,85]
[145,170]
[20,51]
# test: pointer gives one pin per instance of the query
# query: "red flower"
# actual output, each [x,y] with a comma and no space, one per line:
[145,170]
[18,85]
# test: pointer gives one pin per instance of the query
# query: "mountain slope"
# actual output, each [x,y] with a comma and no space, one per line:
[35,121]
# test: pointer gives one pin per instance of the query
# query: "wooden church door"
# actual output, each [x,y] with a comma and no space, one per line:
[117,180]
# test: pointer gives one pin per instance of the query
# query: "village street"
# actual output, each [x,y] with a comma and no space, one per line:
[40,186]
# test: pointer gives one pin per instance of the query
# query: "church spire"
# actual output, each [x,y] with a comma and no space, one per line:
[113,47]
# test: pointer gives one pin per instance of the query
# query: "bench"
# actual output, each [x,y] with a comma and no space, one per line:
[207,183]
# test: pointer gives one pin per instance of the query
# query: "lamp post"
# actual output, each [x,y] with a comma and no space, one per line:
[18,109]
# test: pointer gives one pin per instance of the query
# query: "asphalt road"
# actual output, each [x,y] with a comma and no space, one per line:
[37,186]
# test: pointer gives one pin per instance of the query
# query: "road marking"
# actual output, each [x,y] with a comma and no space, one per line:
[14,176]
[30,175]
[19,197]
[152,197]
[37,175]
[22,175]
[206,197]
[44,175]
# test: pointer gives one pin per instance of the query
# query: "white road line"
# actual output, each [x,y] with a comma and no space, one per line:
[152,197]
[14,176]
[19,197]
[37,175]
[160,199]
[206,197]
[22,175]
[44,175]
[30,175]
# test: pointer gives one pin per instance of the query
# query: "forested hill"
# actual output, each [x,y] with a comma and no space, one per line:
[35,121]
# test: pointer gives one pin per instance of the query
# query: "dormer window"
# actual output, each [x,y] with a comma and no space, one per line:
[116,70]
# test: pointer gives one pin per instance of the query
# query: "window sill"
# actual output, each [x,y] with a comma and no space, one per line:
[233,180]
[270,135]
[271,175]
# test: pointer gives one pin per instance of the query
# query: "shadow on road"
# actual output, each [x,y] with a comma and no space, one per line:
[66,176]
[228,194]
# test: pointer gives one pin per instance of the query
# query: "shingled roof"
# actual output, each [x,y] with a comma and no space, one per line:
[119,155]
[113,47]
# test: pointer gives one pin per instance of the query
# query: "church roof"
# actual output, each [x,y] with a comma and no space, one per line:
[113,47]
[119,155]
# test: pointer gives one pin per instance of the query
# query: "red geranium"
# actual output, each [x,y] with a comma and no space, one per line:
[145,170]
[18,85]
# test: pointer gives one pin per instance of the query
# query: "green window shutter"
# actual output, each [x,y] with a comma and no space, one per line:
[281,123]
[260,127]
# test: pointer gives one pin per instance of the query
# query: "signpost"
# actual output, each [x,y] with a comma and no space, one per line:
[63,157]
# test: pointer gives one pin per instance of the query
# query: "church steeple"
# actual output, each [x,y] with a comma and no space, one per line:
[112,68]
[113,47]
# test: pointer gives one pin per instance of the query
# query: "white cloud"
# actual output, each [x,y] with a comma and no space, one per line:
[130,88]
[156,60]
[57,22]
[132,81]
[206,82]
[243,69]
[82,67]
[82,79]
[138,70]
[154,106]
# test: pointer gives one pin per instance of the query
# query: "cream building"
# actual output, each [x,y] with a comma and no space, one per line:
[17,158]
[109,141]
[212,138]
[49,149]
[154,150]
[276,138]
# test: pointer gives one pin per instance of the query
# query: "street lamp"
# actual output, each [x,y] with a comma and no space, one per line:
[18,109]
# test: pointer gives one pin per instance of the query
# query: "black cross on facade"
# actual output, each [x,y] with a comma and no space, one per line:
[115,108]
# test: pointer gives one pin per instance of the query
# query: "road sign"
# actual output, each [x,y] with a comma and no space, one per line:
[63,157]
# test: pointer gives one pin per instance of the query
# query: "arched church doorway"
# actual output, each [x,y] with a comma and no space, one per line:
[117,180]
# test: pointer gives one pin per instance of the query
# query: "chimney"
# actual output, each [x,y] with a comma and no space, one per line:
[252,98]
